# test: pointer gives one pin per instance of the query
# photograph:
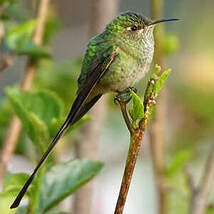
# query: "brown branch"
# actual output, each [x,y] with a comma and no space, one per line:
[6,61]
[3,7]
[190,179]
[134,147]
[15,126]
[1,32]
[199,198]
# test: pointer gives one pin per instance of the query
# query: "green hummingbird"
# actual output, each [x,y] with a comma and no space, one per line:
[114,61]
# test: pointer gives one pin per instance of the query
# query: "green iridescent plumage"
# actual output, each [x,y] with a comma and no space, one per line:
[134,48]
[114,60]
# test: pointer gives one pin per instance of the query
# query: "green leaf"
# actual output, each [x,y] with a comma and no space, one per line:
[65,178]
[6,112]
[15,182]
[11,188]
[6,199]
[33,50]
[36,111]
[34,127]
[137,109]
[178,162]
[20,35]
[210,209]
[156,72]
[171,43]
[160,82]
[6,1]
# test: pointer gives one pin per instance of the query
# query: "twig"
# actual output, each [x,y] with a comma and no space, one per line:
[134,147]
[15,126]
[190,179]
[3,7]
[1,32]
[199,198]
[6,61]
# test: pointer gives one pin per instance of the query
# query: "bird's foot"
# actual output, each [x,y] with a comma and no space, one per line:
[133,89]
[125,95]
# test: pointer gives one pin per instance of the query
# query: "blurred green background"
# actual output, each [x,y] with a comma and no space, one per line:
[189,119]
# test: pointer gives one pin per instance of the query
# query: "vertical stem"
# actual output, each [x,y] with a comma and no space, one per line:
[100,13]
[134,147]
[15,126]
[157,127]
[135,143]
[200,197]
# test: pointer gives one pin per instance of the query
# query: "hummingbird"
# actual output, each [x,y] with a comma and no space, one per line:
[114,61]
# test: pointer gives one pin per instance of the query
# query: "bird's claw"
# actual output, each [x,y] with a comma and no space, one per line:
[133,89]
[124,96]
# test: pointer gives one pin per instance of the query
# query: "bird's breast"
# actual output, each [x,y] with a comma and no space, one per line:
[124,72]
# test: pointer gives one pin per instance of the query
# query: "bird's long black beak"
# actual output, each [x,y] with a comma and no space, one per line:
[163,20]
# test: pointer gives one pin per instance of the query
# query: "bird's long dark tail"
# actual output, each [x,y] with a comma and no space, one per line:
[79,109]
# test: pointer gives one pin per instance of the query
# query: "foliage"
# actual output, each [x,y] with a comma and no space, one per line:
[41,113]
[137,109]
[178,162]
[42,110]
[63,179]
[19,39]
[36,111]
[171,44]
[189,134]
[59,182]
[156,83]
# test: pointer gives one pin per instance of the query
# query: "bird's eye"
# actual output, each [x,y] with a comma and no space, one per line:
[134,28]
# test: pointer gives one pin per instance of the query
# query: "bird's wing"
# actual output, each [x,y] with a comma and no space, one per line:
[98,66]
[96,69]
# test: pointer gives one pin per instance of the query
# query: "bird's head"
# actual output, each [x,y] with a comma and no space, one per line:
[133,26]
[129,25]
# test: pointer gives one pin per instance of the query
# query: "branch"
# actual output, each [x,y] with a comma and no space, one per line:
[3,7]
[199,199]
[6,61]
[15,126]
[139,111]
[1,32]
[190,179]
[134,147]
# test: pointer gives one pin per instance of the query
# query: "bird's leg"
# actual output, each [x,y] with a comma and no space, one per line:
[126,118]
[133,89]
[123,97]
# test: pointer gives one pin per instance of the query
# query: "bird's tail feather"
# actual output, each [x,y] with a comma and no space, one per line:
[77,111]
